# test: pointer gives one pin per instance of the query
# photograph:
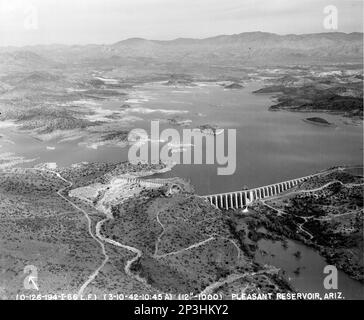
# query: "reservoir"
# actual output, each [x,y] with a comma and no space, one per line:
[271,147]
[305,273]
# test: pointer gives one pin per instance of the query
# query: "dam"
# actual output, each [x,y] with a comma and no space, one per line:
[240,199]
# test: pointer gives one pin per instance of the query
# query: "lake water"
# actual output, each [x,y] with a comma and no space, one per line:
[271,147]
[311,265]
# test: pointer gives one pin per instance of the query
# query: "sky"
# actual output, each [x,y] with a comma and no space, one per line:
[31,22]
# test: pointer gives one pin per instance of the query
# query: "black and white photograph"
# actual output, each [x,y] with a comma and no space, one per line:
[195,152]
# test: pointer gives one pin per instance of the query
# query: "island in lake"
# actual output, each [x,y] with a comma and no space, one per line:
[233,85]
[318,121]
[210,129]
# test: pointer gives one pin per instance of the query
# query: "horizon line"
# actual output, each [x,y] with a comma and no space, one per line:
[179,38]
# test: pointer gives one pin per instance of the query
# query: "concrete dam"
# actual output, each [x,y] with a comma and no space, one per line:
[239,199]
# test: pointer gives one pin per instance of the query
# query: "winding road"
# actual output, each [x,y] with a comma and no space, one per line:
[99,238]
[300,226]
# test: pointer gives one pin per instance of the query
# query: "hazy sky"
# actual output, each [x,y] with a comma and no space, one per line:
[24,22]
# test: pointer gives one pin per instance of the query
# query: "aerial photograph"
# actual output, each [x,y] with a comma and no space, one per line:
[180,150]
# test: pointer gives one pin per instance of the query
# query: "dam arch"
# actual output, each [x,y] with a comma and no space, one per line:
[240,199]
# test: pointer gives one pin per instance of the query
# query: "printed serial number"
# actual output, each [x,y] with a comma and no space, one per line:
[190,309]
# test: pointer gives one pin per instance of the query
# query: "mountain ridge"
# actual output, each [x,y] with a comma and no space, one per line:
[62,45]
[240,35]
[248,48]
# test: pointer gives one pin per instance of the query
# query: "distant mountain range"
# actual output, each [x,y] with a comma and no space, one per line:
[244,49]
